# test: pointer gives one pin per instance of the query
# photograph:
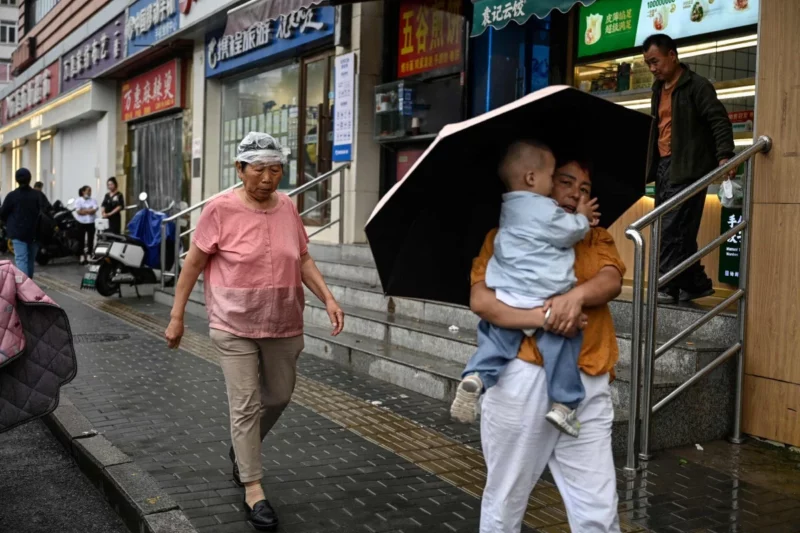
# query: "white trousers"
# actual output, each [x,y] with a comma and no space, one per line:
[518,442]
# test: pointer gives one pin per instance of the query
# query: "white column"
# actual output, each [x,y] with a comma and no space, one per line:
[363,179]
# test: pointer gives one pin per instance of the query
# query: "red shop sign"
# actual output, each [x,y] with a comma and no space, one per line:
[152,92]
[431,36]
[32,94]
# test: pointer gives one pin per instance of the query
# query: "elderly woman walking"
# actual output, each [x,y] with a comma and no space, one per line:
[254,250]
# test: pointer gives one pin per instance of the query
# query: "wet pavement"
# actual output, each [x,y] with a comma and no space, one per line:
[42,490]
[353,453]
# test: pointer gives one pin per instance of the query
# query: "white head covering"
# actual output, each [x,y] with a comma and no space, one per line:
[260,148]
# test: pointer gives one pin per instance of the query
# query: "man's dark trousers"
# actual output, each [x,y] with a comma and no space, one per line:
[679,230]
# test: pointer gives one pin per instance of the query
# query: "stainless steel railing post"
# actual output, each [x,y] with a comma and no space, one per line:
[176,263]
[736,436]
[163,252]
[636,347]
[650,340]
[341,205]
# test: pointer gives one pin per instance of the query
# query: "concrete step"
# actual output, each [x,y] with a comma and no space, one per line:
[672,319]
[333,253]
[349,270]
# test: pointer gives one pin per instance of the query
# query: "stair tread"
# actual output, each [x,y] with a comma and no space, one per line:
[468,335]
[329,280]
[660,378]
[429,328]
[350,261]
[435,365]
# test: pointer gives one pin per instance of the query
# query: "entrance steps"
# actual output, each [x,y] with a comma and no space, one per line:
[413,344]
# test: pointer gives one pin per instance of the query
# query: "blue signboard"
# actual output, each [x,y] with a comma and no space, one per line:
[266,38]
[150,21]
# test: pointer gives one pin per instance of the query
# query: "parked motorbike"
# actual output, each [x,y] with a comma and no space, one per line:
[132,259]
[66,238]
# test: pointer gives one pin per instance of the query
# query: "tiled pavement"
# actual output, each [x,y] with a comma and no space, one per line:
[351,453]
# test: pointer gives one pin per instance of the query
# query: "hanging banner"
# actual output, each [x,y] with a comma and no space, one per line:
[152,92]
[431,36]
[343,110]
[611,25]
[731,249]
[95,55]
[498,14]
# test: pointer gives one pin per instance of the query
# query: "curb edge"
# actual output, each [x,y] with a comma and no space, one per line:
[135,495]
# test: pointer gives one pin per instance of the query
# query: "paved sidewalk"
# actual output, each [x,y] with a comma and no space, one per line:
[44,491]
[351,453]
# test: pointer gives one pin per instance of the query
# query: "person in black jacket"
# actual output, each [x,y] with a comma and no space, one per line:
[693,126]
[20,212]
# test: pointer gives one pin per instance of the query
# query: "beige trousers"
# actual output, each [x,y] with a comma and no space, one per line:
[260,376]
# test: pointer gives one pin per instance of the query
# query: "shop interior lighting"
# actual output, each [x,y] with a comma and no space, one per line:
[743,142]
[705,48]
[723,94]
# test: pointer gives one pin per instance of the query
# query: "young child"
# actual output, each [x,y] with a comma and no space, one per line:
[533,261]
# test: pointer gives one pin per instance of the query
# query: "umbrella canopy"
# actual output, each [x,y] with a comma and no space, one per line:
[426,231]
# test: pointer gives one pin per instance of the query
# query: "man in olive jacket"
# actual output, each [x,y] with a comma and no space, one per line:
[692,135]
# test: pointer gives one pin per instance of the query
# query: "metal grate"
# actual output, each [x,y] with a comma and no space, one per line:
[93,338]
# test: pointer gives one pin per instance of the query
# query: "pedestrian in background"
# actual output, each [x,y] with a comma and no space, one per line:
[39,186]
[253,248]
[86,210]
[692,136]
[21,212]
[112,206]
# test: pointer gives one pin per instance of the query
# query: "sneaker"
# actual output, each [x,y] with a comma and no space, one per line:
[563,418]
[688,296]
[667,297]
[466,402]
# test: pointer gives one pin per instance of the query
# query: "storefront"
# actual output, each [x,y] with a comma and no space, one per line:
[716,40]
[275,75]
[152,106]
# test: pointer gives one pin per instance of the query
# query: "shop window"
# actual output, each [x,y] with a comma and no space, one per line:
[36,10]
[8,2]
[8,32]
[266,102]
[507,64]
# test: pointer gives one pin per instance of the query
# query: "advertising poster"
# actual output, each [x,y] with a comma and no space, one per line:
[343,114]
[611,25]
[431,36]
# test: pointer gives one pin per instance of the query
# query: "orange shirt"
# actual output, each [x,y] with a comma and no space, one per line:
[665,122]
[599,352]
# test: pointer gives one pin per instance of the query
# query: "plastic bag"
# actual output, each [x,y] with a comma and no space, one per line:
[731,193]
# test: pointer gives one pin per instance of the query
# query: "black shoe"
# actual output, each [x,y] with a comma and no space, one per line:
[262,516]
[688,296]
[667,297]
[236,478]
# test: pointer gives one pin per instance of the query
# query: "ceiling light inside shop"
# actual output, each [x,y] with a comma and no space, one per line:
[705,48]
[743,142]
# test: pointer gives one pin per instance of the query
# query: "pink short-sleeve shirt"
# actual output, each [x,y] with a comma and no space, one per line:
[253,286]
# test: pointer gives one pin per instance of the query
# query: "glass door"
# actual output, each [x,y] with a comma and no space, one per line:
[316,135]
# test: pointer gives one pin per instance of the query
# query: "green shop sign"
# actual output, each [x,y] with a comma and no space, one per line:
[731,249]
[611,25]
[498,13]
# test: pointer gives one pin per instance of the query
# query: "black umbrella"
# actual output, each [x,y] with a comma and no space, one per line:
[426,231]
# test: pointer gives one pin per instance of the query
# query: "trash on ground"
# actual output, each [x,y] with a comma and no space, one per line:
[699,448]
[376,402]
[453,329]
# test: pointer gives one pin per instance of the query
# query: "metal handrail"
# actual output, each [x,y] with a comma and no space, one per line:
[294,192]
[644,317]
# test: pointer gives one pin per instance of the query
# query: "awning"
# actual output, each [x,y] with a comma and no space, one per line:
[498,13]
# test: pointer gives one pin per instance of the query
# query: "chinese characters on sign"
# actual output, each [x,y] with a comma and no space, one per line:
[343,108]
[730,250]
[431,36]
[502,12]
[620,21]
[95,55]
[150,21]
[152,92]
[33,93]
[261,33]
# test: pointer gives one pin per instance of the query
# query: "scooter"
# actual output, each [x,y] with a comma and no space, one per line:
[132,259]
[67,235]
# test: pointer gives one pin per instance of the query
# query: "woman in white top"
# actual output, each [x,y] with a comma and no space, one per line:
[86,211]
